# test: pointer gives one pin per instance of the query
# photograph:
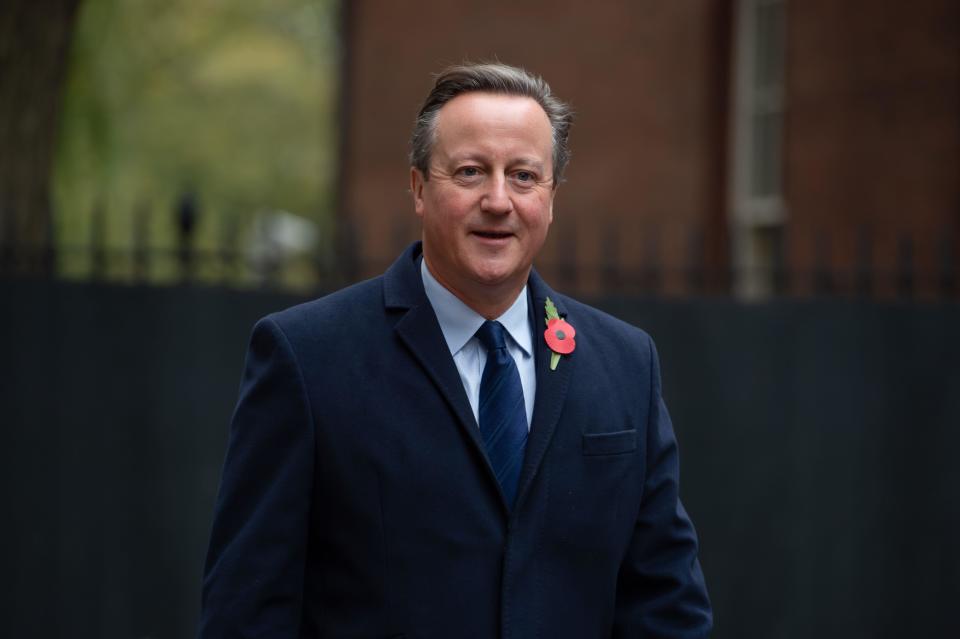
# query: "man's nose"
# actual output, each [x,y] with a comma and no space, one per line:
[496,199]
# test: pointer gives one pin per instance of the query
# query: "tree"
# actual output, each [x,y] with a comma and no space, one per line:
[34,46]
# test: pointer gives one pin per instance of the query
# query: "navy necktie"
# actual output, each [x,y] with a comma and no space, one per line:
[503,415]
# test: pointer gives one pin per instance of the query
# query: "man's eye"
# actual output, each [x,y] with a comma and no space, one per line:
[525,176]
[469,171]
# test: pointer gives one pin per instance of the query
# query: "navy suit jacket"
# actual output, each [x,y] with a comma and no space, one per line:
[357,500]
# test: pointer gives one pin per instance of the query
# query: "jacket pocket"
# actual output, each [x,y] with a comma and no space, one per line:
[623,441]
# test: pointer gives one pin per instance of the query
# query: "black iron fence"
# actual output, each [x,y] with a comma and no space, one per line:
[258,256]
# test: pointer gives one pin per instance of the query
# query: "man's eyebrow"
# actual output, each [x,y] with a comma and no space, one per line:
[529,161]
[468,156]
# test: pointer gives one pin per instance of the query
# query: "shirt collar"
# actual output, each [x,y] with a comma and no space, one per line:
[459,322]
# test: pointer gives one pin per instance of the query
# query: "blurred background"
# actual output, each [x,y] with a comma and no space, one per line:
[771,188]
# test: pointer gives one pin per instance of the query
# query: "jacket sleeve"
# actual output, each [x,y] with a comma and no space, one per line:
[660,589]
[254,572]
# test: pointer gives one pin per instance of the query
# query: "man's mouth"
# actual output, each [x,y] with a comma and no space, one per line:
[493,235]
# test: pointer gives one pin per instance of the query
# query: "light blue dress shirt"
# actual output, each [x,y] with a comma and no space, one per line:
[459,324]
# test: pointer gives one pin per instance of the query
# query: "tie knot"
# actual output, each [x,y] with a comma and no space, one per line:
[492,335]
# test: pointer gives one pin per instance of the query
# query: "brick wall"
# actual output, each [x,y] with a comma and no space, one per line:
[642,77]
[873,136]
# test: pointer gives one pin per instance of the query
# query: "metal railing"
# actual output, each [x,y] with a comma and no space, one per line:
[239,262]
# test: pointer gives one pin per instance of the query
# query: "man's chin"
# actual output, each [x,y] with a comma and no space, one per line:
[498,275]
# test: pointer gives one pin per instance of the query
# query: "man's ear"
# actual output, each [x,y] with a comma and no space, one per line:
[553,192]
[416,188]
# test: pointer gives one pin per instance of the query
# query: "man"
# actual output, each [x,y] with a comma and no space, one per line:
[415,457]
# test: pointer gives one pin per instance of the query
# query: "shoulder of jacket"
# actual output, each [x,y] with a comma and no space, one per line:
[597,319]
[332,313]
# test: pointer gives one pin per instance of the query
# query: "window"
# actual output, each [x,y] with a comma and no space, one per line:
[757,206]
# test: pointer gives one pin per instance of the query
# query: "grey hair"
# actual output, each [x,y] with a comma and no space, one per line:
[489,78]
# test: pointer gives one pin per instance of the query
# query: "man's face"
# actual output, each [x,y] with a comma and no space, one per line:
[488,202]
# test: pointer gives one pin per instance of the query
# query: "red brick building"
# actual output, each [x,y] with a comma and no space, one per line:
[746,146]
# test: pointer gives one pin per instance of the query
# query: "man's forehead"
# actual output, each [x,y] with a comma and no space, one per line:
[481,108]
[492,118]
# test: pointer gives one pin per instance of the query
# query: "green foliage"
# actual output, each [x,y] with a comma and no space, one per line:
[234,99]
[551,310]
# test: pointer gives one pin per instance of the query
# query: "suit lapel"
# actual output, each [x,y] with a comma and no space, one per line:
[552,386]
[420,331]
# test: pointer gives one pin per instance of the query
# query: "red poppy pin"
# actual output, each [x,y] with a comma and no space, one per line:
[559,335]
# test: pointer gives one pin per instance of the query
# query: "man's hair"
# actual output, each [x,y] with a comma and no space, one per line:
[489,78]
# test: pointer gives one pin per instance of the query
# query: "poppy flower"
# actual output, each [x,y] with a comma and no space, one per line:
[559,336]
